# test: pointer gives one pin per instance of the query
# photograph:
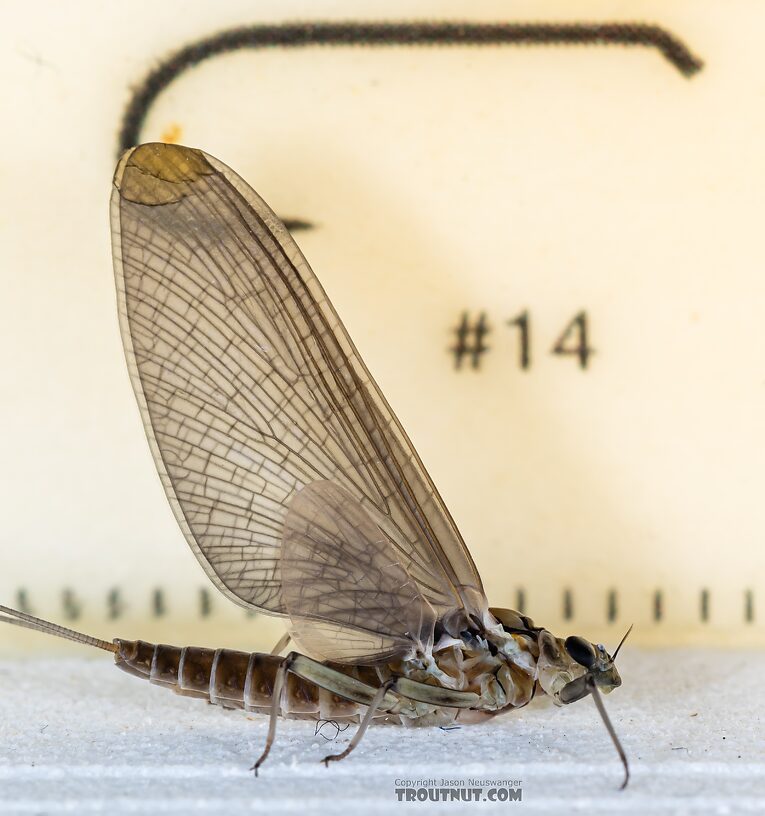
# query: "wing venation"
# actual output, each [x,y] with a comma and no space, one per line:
[251,389]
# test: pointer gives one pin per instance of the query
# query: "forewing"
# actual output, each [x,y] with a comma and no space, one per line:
[250,388]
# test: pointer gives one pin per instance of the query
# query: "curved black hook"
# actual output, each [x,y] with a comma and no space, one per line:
[294,35]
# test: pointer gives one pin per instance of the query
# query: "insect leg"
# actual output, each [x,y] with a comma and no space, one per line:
[324,677]
[434,695]
[281,644]
[373,706]
[412,690]
[351,689]
[276,702]
[336,682]
[386,697]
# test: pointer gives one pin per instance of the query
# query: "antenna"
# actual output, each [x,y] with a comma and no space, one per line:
[626,635]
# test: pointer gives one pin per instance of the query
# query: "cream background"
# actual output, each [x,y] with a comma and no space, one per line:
[442,180]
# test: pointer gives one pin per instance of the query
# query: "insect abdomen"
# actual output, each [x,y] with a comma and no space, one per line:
[228,678]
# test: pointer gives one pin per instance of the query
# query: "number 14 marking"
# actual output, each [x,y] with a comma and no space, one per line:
[573,340]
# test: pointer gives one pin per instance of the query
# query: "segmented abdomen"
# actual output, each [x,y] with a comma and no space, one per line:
[234,679]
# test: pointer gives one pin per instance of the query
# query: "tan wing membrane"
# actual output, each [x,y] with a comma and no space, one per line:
[339,566]
[250,388]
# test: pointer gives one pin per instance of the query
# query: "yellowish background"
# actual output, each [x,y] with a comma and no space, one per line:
[442,181]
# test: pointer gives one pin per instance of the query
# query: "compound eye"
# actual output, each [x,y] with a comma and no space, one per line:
[581,650]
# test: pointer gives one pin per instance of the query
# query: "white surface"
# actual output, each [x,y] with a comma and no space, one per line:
[79,736]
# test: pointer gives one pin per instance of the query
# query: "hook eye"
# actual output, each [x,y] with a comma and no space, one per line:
[581,650]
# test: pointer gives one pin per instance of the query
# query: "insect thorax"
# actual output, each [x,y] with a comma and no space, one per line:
[500,667]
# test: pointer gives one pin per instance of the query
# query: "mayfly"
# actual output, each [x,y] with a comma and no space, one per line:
[296,486]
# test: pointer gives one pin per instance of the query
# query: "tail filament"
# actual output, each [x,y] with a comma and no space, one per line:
[17,618]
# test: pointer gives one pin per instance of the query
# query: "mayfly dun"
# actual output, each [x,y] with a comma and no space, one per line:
[296,486]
